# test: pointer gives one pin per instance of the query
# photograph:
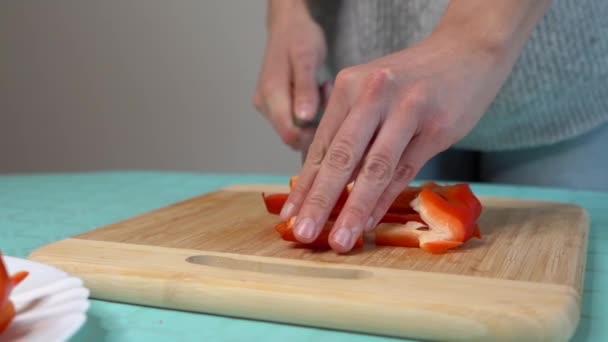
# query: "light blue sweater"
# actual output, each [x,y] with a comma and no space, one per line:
[558,88]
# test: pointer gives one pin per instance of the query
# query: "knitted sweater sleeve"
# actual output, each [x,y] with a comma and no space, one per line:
[558,88]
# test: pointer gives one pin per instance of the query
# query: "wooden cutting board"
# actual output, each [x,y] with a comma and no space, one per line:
[219,253]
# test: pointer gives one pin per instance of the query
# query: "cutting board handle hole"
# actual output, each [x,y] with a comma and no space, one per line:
[277,268]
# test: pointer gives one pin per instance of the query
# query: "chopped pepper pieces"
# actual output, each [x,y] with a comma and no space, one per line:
[449,215]
[432,217]
[275,202]
[7,284]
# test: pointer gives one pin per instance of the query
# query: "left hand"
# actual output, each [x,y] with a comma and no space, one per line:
[384,121]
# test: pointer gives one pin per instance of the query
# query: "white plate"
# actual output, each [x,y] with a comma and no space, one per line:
[51,305]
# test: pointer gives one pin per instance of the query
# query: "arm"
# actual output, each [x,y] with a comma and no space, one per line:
[386,118]
[287,84]
[499,28]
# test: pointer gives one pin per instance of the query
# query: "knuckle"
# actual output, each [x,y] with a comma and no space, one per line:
[340,156]
[298,190]
[404,173]
[434,127]
[377,81]
[305,66]
[345,76]
[319,200]
[303,52]
[414,101]
[378,169]
[379,78]
[355,211]
[317,154]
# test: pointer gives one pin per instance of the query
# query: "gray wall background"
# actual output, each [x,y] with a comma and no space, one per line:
[139,84]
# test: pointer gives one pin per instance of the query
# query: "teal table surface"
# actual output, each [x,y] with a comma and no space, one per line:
[39,209]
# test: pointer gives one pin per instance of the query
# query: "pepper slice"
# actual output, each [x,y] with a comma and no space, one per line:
[275,202]
[7,309]
[401,205]
[451,214]
[448,219]
[285,229]
[432,217]
[405,234]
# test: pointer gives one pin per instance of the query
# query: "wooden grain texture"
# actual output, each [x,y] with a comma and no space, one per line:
[219,253]
[522,240]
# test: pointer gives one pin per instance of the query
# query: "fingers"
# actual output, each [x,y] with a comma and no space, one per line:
[417,153]
[273,99]
[376,174]
[306,91]
[335,113]
[342,156]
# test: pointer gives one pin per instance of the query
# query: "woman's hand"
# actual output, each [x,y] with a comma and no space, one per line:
[287,84]
[387,118]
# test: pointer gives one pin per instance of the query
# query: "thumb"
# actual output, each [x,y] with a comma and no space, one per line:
[306,91]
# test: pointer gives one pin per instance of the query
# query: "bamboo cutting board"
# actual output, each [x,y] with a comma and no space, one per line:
[219,253]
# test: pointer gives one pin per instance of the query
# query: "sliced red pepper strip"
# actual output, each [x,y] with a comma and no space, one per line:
[7,310]
[401,205]
[450,214]
[7,314]
[397,235]
[321,242]
[462,193]
[476,232]
[275,202]
[433,217]
[462,199]
[18,277]
[401,218]
[404,234]
[439,247]
[282,228]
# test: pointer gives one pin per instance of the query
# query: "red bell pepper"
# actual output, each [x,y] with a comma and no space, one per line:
[275,202]
[7,309]
[449,215]
[433,217]
[401,205]
[285,229]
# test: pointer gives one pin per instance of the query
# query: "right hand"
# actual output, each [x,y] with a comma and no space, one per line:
[287,83]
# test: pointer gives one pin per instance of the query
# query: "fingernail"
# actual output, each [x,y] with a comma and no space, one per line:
[305,112]
[305,228]
[355,234]
[343,237]
[286,211]
[370,224]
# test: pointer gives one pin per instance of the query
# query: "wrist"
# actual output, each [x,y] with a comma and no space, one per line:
[496,30]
